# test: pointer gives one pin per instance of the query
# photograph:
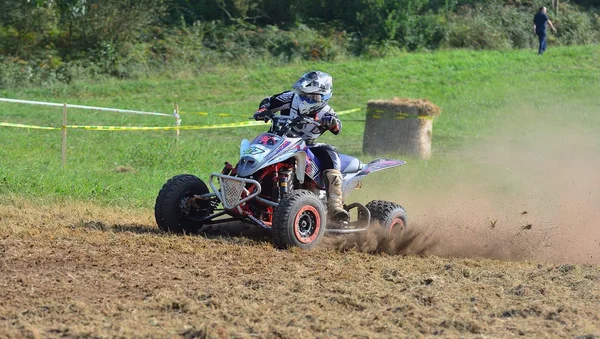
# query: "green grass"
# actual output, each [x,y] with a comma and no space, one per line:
[477,91]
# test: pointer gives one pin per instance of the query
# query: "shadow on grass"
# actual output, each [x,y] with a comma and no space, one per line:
[235,231]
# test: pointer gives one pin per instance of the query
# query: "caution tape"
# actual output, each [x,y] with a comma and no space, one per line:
[402,116]
[53,104]
[242,114]
[216,114]
[157,128]
[7,124]
[138,128]
[169,128]
[348,111]
[123,128]
[398,115]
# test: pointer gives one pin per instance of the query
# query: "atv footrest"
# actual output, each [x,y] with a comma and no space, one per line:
[362,224]
[345,230]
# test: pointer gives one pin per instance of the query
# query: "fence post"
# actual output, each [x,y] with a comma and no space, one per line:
[177,121]
[64,137]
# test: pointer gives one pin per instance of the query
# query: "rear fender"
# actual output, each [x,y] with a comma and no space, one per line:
[352,180]
[380,164]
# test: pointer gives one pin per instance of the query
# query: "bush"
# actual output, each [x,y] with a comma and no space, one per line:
[518,25]
[43,42]
[245,43]
[574,27]
[499,26]
[428,31]
[476,29]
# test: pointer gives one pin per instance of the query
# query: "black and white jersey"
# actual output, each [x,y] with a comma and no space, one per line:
[287,104]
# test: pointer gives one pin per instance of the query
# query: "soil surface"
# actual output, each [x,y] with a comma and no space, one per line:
[71,270]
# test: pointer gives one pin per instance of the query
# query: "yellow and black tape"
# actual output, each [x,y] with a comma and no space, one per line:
[167,128]
[397,115]
[121,128]
[8,124]
[137,128]
[348,111]
[216,114]
[402,116]
[242,114]
[148,128]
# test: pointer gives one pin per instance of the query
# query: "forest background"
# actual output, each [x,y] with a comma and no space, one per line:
[47,42]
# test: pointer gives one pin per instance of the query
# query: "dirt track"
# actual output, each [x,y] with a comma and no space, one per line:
[71,270]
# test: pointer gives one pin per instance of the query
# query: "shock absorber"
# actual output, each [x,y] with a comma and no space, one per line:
[275,191]
[284,176]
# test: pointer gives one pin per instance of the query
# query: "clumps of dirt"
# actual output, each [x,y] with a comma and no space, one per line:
[471,225]
[422,241]
[528,193]
[378,240]
[124,169]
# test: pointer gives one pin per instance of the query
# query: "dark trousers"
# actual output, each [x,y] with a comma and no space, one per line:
[328,156]
[542,36]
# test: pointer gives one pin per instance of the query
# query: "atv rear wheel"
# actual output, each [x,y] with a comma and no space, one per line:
[173,206]
[299,220]
[391,216]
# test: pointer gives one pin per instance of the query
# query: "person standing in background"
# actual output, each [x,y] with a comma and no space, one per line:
[539,27]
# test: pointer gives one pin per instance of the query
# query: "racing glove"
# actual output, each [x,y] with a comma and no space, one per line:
[330,122]
[262,114]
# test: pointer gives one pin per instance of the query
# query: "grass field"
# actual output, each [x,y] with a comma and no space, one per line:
[475,90]
[504,237]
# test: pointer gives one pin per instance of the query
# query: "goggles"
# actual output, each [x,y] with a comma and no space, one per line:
[313,98]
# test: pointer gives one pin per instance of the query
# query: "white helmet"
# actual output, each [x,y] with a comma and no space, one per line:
[313,91]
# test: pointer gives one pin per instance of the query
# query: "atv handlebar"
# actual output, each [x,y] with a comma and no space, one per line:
[282,124]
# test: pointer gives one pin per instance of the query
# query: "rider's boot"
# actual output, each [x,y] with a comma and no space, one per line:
[334,197]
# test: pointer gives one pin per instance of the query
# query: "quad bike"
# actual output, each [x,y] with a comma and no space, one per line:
[278,185]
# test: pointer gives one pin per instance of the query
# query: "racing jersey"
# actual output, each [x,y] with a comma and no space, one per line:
[287,104]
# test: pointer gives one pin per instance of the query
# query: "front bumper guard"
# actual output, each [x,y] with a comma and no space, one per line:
[231,189]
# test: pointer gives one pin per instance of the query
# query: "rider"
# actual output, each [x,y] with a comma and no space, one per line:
[309,97]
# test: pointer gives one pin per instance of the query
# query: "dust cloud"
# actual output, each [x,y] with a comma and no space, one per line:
[528,192]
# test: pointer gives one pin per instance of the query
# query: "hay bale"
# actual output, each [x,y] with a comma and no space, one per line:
[399,126]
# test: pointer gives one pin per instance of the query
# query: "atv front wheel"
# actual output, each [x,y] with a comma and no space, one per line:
[174,206]
[299,220]
[391,216]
